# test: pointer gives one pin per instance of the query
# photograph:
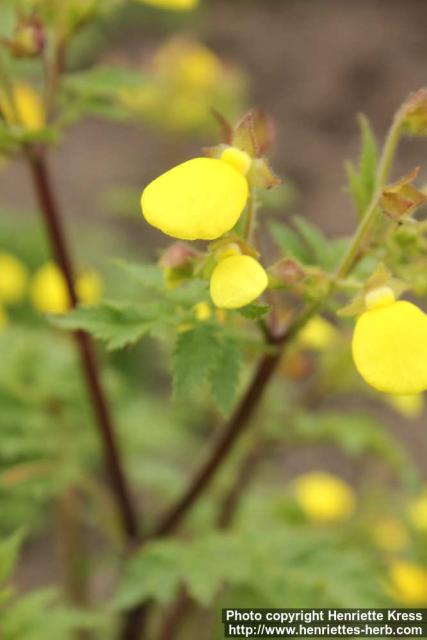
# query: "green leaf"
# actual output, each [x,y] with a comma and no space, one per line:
[255,311]
[361,178]
[116,323]
[102,81]
[289,242]
[149,276]
[224,377]
[195,355]
[325,252]
[9,549]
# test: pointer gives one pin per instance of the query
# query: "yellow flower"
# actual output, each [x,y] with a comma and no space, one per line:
[390,344]
[175,5]
[408,583]
[390,535]
[317,334]
[237,281]
[200,199]
[417,512]
[188,64]
[3,319]
[324,498]
[49,290]
[409,406]
[13,279]
[27,109]
[89,287]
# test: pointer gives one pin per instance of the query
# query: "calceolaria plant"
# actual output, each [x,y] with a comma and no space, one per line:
[259,318]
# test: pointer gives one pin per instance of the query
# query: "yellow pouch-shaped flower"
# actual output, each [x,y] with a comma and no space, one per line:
[237,281]
[175,5]
[49,290]
[13,279]
[390,345]
[324,497]
[200,199]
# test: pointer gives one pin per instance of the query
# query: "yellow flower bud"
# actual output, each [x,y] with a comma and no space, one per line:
[408,583]
[49,290]
[89,287]
[238,159]
[27,109]
[390,344]
[417,513]
[317,334]
[409,406]
[202,311]
[237,281]
[175,5]
[390,535]
[13,279]
[200,199]
[324,498]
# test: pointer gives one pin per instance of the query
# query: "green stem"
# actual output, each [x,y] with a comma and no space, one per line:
[384,166]
[250,216]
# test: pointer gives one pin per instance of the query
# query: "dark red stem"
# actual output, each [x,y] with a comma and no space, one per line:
[112,458]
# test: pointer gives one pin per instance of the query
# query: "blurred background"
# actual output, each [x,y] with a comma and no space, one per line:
[313,66]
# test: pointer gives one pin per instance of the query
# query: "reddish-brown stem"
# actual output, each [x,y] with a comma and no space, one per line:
[112,458]
[220,450]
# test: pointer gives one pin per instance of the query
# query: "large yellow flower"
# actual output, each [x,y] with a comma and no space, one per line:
[49,292]
[324,498]
[200,199]
[236,281]
[13,279]
[390,344]
[175,5]
[26,109]
[408,583]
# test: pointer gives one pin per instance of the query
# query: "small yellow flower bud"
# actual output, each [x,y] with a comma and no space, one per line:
[202,311]
[227,250]
[89,287]
[390,346]
[200,199]
[324,498]
[408,583]
[49,291]
[238,159]
[237,281]
[410,406]
[13,279]
[381,297]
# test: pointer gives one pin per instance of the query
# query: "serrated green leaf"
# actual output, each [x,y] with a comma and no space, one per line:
[288,241]
[150,276]
[115,323]
[361,179]
[194,357]
[224,377]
